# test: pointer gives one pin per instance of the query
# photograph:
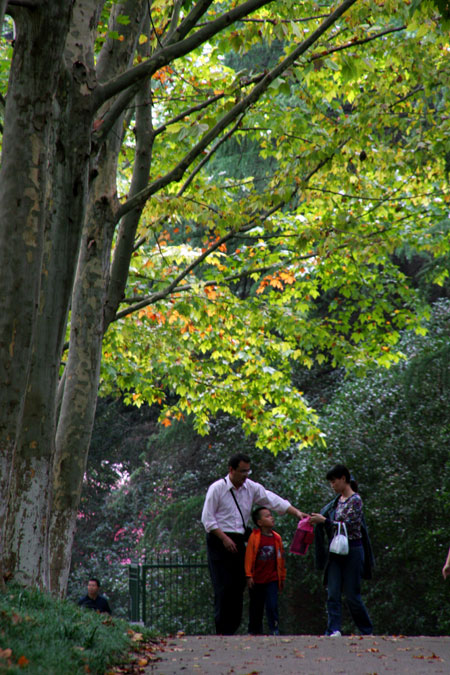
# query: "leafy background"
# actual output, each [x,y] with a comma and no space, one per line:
[390,427]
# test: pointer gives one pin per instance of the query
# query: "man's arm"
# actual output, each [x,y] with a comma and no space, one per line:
[446,568]
[276,503]
[209,518]
[209,510]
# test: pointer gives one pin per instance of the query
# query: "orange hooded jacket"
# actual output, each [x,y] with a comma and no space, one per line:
[252,551]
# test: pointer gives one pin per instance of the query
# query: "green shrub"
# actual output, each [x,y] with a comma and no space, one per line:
[42,635]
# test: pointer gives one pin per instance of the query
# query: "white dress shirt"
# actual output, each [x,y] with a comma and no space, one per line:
[220,510]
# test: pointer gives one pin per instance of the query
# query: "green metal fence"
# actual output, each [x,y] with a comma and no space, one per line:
[171,594]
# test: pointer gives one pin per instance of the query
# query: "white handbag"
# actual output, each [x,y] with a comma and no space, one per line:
[339,543]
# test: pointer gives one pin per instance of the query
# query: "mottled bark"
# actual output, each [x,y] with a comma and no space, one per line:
[77,412]
[24,201]
[82,370]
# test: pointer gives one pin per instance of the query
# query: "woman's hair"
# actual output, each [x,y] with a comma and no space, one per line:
[339,471]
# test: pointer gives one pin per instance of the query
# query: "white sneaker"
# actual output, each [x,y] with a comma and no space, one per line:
[336,633]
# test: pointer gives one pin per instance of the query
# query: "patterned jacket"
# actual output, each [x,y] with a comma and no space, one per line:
[322,542]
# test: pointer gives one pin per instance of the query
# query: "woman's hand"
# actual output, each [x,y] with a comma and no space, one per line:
[317,519]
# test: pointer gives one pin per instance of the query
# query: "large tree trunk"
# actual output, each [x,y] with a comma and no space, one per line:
[28,146]
[77,412]
[82,370]
[64,195]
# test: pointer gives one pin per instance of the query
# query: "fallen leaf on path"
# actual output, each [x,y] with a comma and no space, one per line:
[435,657]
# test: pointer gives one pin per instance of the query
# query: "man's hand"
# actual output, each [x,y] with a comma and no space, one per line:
[297,513]
[250,582]
[229,544]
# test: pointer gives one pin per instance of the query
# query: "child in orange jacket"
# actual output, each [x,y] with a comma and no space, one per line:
[265,571]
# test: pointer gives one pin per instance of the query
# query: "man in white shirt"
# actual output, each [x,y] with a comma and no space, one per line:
[226,511]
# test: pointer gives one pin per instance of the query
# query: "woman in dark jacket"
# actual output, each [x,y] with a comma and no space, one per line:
[344,572]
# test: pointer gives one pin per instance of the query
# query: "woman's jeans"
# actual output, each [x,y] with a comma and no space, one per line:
[344,575]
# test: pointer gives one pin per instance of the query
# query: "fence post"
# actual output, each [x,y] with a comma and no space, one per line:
[134,588]
[144,593]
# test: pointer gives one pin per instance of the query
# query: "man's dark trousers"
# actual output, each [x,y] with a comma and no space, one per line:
[228,579]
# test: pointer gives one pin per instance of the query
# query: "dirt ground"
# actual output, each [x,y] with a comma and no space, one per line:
[300,655]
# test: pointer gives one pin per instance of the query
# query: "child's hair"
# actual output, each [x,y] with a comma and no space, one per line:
[256,512]
[339,471]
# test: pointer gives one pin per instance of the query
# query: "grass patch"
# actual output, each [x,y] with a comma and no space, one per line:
[41,634]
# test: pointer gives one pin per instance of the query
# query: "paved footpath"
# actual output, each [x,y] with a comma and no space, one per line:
[301,655]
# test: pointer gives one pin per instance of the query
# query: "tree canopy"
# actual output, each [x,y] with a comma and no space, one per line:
[122,236]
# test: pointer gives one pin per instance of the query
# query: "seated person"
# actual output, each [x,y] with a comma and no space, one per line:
[93,599]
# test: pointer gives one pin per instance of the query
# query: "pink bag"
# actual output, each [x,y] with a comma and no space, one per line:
[303,537]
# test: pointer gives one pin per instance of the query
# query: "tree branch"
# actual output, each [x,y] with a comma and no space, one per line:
[206,159]
[174,18]
[176,34]
[355,43]
[257,91]
[203,105]
[128,80]
[28,4]
[254,220]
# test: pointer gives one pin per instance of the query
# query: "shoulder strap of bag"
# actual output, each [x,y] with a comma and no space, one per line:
[236,502]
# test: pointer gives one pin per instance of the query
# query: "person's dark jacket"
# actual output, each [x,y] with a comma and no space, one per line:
[100,604]
[322,542]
